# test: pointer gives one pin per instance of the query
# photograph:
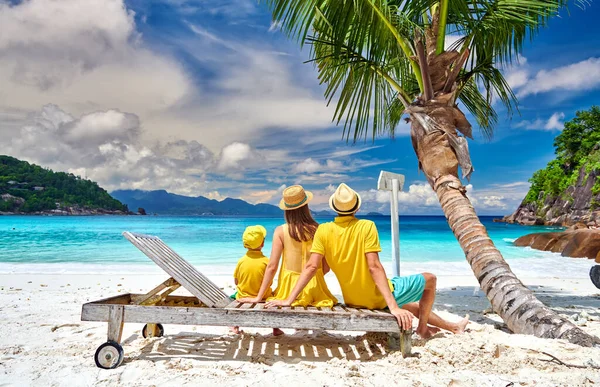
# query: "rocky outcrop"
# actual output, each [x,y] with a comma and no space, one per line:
[575,242]
[576,205]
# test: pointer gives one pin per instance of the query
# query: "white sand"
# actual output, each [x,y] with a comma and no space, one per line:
[44,343]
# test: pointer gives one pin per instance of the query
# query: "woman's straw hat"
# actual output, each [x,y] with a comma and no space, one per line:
[295,197]
[345,201]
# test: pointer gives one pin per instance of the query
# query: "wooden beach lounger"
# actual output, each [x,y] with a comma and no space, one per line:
[211,306]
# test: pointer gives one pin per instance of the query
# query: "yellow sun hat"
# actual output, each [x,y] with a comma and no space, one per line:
[254,236]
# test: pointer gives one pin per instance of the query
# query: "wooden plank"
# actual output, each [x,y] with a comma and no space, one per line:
[115,322]
[169,261]
[202,283]
[352,310]
[246,305]
[264,318]
[120,299]
[187,271]
[325,310]
[184,273]
[233,304]
[379,311]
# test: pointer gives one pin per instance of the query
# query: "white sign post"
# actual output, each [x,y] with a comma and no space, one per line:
[389,181]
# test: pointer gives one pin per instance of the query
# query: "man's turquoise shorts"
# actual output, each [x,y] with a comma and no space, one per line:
[408,289]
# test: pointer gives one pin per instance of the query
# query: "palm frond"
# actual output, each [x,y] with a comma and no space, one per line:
[373,26]
[498,28]
[480,107]
[365,89]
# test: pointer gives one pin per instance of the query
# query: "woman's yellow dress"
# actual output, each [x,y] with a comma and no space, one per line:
[295,256]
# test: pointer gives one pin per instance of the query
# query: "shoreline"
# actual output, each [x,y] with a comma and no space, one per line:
[42,315]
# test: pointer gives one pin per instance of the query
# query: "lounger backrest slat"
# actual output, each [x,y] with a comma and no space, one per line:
[178,268]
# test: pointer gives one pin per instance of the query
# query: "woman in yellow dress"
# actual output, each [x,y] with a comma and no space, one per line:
[292,241]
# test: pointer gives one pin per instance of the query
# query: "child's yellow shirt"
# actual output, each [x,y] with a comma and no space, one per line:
[249,273]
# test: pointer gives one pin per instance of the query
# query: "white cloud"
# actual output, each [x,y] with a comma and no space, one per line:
[555,122]
[82,55]
[580,76]
[105,147]
[234,154]
[421,199]
[308,166]
[311,165]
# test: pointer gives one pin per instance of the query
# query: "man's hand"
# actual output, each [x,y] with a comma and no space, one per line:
[404,318]
[248,300]
[276,303]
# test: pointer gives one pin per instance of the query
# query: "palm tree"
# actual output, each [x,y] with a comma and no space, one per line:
[383,59]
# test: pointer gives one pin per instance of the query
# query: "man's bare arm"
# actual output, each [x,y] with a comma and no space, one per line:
[377,271]
[307,274]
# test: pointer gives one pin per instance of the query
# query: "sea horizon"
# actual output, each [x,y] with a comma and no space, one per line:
[94,244]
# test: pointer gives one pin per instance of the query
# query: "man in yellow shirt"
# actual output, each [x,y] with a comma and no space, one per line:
[351,248]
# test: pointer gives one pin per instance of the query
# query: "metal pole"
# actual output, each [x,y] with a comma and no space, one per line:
[395,229]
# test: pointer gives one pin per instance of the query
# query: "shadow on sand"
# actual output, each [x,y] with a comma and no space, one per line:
[315,347]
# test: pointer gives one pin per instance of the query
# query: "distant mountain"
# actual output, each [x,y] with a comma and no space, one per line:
[29,189]
[323,213]
[163,202]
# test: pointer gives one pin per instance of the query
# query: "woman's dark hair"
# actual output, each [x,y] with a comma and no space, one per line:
[301,225]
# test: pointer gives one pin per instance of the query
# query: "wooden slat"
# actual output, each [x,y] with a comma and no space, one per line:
[177,264]
[325,310]
[261,318]
[352,310]
[170,260]
[211,290]
[233,304]
[246,306]
[184,273]
[379,311]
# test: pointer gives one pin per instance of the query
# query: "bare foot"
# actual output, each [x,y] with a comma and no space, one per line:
[424,333]
[461,325]
[278,332]
[235,330]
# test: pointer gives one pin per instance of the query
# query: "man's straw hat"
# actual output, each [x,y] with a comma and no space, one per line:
[294,197]
[345,201]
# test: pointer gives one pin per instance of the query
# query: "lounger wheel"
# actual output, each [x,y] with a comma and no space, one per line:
[595,275]
[109,355]
[150,331]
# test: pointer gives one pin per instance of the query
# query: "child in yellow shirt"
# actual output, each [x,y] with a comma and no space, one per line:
[250,269]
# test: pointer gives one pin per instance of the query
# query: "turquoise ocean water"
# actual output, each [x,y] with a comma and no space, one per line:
[50,244]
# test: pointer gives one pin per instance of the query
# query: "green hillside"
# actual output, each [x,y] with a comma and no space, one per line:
[30,188]
[577,153]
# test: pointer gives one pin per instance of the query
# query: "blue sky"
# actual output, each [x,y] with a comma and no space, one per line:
[210,98]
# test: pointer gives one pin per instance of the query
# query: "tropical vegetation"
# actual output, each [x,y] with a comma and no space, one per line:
[576,147]
[30,188]
[382,60]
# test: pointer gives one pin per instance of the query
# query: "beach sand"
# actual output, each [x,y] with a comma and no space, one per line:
[44,343]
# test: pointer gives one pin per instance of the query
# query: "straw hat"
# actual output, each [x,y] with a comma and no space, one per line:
[295,197]
[345,201]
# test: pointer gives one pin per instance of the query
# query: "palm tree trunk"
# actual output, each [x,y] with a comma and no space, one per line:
[513,301]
